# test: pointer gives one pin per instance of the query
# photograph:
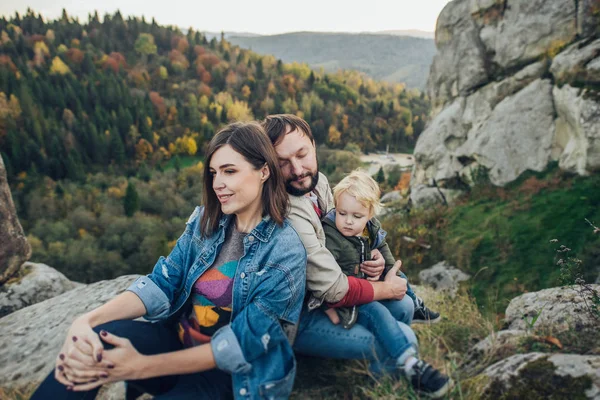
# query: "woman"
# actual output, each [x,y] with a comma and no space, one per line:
[220,298]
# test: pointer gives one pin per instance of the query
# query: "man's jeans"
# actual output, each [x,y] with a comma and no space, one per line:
[382,335]
[149,339]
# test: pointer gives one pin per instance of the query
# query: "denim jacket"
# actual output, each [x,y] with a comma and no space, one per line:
[268,290]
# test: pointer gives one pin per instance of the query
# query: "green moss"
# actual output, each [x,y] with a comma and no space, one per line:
[537,381]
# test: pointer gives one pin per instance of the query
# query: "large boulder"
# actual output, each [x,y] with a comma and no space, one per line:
[31,337]
[497,346]
[558,309]
[443,277]
[539,376]
[15,249]
[577,129]
[35,283]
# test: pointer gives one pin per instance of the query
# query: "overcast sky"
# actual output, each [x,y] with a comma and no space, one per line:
[258,16]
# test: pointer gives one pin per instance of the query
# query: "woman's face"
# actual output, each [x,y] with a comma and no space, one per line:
[236,183]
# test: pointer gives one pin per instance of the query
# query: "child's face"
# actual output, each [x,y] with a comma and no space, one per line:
[351,216]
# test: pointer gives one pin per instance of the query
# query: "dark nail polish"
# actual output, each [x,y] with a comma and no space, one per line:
[111,366]
[62,356]
[74,338]
[69,387]
[99,357]
[61,368]
[104,375]
[103,333]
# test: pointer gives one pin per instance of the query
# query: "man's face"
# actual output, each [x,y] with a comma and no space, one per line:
[298,162]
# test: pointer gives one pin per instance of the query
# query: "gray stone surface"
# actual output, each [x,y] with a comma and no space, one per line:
[15,249]
[577,130]
[517,136]
[573,64]
[423,196]
[560,365]
[391,197]
[31,337]
[36,283]
[443,277]
[561,308]
[495,347]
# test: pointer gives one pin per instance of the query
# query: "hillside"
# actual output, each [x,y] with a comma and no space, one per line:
[386,57]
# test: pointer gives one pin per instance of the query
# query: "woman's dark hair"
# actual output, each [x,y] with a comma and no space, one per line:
[250,140]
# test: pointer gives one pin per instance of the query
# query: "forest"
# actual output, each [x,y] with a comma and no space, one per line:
[103,126]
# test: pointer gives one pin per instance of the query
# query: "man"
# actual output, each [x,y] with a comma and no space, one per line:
[310,198]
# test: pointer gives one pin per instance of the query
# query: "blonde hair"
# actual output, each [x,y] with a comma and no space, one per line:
[362,187]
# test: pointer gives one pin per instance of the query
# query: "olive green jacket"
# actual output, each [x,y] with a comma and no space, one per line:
[350,251]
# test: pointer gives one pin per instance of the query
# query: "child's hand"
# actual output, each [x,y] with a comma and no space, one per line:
[333,315]
[375,267]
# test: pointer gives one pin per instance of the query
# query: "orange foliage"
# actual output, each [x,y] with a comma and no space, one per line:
[6,60]
[203,74]
[208,60]
[159,103]
[180,44]
[37,38]
[204,90]
[142,149]
[178,60]
[403,183]
[114,61]
[199,50]
[75,55]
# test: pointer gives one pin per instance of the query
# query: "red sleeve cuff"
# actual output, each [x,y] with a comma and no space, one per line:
[360,291]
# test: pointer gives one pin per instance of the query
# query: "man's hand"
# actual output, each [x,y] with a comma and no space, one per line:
[373,268]
[397,286]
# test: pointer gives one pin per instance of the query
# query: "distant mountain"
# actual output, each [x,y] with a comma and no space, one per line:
[409,32]
[387,57]
[217,35]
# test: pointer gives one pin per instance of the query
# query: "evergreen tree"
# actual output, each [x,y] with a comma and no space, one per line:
[131,201]
[380,176]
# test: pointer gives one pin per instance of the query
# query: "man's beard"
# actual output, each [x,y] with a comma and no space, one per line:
[294,191]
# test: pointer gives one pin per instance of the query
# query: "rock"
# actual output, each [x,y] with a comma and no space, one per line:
[573,64]
[15,249]
[495,347]
[561,309]
[31,337]
[577,130]
[37,282]
[459,66]
[443,277]
[423,196]
[539,375]
[517,136]
[588,17]
[391,197]
[529,29]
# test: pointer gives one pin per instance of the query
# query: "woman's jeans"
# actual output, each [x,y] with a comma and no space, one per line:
[148,339]
[382,335]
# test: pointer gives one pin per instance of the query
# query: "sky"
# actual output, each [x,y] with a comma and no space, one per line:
[257,16]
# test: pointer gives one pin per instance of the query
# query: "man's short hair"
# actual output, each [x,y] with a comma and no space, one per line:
[278,125]
[363,188]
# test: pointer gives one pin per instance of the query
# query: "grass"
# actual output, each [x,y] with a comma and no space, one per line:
[443,345]
[502,235]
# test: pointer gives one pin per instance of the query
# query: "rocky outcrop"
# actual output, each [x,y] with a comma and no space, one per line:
[539,375]
[558,309]
[514,86]
[15,249]
[34,283]
[31,338]
[443,277]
